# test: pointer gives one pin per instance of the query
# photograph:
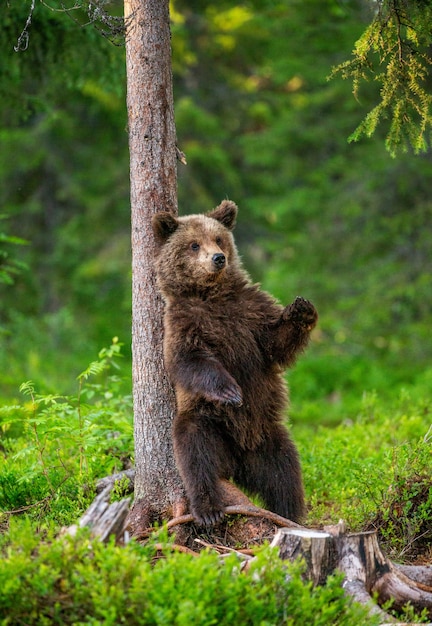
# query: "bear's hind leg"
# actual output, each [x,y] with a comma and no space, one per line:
[202,460]
[273,471]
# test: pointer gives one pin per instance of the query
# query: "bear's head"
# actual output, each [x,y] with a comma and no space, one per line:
[197,252]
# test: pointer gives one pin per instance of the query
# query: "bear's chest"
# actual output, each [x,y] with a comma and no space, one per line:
[232,335]
[229,329]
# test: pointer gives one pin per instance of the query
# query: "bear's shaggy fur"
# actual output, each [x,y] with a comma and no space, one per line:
[226,344]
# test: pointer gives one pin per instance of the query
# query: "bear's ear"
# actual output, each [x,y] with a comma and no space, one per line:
[225,213]
[164,224]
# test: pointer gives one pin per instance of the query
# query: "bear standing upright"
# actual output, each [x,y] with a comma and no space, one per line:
[226,344]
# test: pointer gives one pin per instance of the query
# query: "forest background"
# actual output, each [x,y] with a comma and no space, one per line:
[343,224]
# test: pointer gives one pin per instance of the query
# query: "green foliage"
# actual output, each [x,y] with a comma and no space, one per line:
[75,581]
[62,96]
[394,50]
[409,614]
[121,489]
[55,446]
[372,470]
[59,54]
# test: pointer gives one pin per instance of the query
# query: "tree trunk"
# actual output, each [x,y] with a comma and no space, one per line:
[152,145]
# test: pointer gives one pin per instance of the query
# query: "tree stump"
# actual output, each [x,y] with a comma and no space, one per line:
[316,548]
[105,518]
[367,571]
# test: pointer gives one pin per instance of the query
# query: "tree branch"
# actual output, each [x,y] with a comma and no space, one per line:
[23,39]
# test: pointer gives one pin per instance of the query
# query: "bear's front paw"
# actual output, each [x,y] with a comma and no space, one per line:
[232,394]
[229,393]
[301,313]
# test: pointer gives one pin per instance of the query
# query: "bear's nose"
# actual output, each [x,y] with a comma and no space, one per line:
[218,260]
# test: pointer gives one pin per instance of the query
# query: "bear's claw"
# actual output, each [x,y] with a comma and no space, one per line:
[230,394]
[208,518]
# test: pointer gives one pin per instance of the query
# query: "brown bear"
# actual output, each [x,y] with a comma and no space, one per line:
[226,344]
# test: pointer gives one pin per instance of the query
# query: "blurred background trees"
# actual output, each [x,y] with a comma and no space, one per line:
[344,224]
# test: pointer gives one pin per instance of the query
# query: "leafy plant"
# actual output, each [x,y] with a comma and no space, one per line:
[122,488]
[410,615]
[373,471]
[10,265]
[404,517]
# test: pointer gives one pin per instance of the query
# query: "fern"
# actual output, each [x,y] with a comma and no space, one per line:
[10,266]
[93,369]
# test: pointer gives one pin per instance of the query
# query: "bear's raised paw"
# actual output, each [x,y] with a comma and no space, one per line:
[301,313]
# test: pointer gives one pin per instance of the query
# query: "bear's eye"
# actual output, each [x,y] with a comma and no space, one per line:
[195,246]
[219,241]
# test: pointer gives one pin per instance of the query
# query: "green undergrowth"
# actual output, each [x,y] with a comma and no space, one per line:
[82,582]
[372,470]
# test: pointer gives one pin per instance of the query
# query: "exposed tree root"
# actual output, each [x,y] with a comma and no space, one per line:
[241,509]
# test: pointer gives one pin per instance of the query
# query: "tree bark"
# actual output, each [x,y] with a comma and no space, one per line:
[152,145]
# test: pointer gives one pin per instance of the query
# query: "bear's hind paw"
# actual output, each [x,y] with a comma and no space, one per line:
[208,518]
